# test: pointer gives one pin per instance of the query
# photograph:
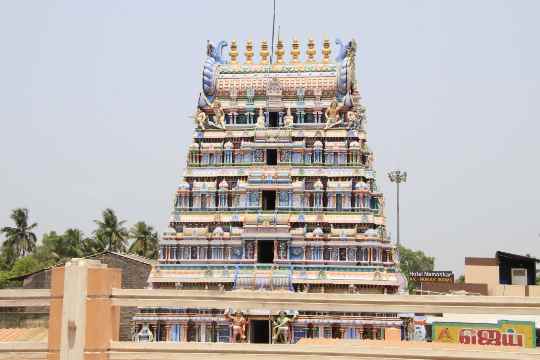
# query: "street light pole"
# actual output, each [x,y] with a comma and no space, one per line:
[397,176]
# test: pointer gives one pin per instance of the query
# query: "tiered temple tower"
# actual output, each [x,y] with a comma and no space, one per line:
[279,194]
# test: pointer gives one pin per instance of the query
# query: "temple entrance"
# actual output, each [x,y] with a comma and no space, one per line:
[273,119]
[271,157]
[265,251]
[259,331]
[269,200]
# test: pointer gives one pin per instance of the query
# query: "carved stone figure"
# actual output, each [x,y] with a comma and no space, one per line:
[238,324]
[281,328]
[260,119]
[332,115]
[288,119]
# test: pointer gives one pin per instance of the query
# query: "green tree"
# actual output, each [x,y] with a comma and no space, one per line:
[62,247]
[25,265]
[4,279]
[94,245]
[414,261]
[20,240]
[111,232]
[145,240]
[22,266]
[7,257]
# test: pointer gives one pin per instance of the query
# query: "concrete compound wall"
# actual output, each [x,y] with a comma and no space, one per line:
[135,276]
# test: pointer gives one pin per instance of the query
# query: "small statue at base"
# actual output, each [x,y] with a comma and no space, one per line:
[281,328]
[238,333]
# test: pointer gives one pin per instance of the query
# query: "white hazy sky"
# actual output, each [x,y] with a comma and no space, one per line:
[94,99]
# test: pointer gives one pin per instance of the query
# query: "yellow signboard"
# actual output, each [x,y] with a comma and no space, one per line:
[504,333]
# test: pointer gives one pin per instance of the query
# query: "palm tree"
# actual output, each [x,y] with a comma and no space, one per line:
[145,240]
[73,242]
[20,239]
[111,232]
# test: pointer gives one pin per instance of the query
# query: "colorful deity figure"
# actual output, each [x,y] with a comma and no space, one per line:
[332,115]
[238,325]
[200,119]
[250,250]
[288,119]
[369,160]
[260,120]
[354,120]
[219,115]
[282,249]
[281,328]
[145,335]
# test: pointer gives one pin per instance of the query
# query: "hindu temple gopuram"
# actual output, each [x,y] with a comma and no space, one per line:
[278,194]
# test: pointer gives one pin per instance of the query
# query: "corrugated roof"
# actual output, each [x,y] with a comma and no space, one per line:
[134,257]
[502,254]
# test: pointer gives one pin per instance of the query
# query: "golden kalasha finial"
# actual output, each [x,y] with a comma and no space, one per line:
[311,51]
[233,52]
[326,51]
[295,51]
[249,52]
[264,52]
[279,52]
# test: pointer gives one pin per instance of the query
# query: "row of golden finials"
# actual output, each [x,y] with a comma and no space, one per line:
[280,52]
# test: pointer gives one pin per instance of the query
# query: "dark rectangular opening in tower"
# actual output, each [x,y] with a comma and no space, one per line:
[273,119]
[271,157]
[259,331]
[265,251]
[269,200]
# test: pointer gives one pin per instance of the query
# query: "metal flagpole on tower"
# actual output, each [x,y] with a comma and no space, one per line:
[273,27]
